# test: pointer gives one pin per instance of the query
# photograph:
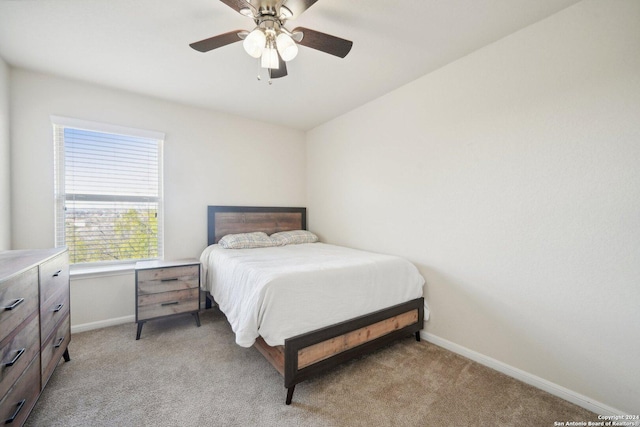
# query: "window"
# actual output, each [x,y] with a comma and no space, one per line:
[108,192]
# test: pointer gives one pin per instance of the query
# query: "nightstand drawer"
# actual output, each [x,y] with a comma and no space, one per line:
[166,303]
[16,352]
[168,279]
[18,299]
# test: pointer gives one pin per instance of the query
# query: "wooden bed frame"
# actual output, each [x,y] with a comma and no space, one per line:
[309,354]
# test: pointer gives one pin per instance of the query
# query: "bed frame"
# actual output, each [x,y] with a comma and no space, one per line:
[309,354]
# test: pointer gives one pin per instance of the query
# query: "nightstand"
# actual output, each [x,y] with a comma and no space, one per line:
[167,288]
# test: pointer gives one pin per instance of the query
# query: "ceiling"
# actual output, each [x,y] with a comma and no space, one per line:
[142,46]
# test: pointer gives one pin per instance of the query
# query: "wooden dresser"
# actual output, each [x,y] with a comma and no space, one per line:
[34,326]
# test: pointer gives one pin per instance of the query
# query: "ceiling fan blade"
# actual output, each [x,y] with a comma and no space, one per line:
[324,42]
[217,41]
[237,4]
[281,71]
[298,6]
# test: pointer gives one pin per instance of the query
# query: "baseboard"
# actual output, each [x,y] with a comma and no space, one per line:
[102,324]
[535,381]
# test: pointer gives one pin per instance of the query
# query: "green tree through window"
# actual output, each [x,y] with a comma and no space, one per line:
[137,231]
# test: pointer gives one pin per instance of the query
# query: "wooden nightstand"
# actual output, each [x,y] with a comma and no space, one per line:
[167,288]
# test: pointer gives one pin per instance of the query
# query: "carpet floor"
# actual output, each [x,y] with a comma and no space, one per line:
[181,375]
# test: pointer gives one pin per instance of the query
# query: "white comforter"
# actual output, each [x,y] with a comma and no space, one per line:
[283,291]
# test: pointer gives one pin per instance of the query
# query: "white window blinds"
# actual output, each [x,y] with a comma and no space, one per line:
[108,192]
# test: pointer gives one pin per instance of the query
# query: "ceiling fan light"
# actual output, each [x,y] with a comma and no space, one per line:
[270,59]
[254,43]
[286,46]
[285,12]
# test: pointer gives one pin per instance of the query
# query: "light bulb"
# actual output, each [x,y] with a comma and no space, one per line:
[286,46]
[254,43]
[270,58]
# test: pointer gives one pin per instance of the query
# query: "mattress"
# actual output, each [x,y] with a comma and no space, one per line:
[283,291]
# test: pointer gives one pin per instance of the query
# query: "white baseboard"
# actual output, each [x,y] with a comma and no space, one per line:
[535,381]
[102,324]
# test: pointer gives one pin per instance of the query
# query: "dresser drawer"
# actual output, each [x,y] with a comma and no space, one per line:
[159,280]
[166,303]
[52,349]
[16,351]
[54,278]
[50,315]
[22,396]
[18,300]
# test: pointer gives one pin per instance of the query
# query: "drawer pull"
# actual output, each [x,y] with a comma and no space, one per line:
[170,303]
[57,273]
[15,359]
[169,280]
[15,414]
[15,304]
[59,342]
[58,308]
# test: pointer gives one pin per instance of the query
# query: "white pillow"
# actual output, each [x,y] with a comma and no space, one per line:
[294,237]
[246,241]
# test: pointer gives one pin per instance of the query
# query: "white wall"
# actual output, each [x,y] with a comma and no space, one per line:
[5,191]
[512,179]
[209,158]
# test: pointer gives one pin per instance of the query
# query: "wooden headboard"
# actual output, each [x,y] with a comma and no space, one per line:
[222,220]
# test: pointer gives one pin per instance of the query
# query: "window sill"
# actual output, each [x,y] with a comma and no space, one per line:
[101,271]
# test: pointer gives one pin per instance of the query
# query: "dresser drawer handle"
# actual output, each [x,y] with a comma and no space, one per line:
[57,273]
[15,359]
[58,308]
[59,342]
[15,304]
[15,414]
[173,279]
[170,303]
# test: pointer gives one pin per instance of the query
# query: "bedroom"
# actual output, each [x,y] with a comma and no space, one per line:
[509,177]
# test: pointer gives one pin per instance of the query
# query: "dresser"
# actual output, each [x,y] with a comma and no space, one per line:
[167,288]
[34,326]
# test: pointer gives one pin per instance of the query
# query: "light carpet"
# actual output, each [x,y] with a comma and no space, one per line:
[180,375]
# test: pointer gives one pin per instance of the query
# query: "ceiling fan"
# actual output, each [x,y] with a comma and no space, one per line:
[270,40]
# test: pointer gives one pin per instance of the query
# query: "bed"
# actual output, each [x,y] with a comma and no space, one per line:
[268,294]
